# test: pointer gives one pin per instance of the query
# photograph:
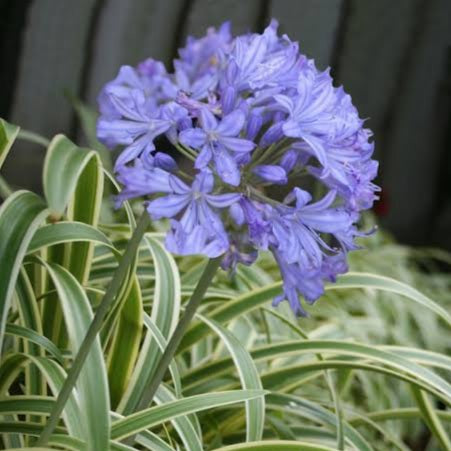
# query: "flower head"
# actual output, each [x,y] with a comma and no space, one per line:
[248,112]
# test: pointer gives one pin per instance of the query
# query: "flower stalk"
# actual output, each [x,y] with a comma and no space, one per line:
[171,348]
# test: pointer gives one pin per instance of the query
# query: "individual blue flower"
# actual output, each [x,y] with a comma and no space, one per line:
[197,210]
[139,125]
[218,140]
[144,177]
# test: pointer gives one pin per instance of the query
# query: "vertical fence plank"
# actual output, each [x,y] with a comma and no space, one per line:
[377,38]
[244,16]
[128,32]
[413,150]
[313,23]
[51,64]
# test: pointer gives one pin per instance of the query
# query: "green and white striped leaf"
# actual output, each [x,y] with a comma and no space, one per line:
[145,419]
[92,383]
[279,445]
[20,216]
[64,163]
[54,374]
[166,301]
[250,301]
[250,380]
[32,336]
[8,134]
[124,348]
[67,232]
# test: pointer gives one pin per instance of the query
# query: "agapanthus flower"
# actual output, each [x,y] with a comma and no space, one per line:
[247,113]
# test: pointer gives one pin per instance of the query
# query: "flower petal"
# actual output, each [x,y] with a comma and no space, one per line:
[236,144]
[193,137]
[223,200]
[167,206]
[178,186]
[227,168]
[204,157]
[232,124]
[207,120]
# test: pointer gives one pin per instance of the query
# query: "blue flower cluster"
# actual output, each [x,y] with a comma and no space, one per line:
[249,112]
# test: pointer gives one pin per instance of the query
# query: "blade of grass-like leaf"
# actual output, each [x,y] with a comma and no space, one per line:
[431,418]
[67,232]
[54,375]
[377,282]
[328,376]
[137,384]
[41,405]
[374,354]
[290,378]
[313,411]
[20,216]
[69,173]
[255,409]
[147,418]
[165,313]
[8,134]
[182,424]
[279,445]
[34,337]
[386,433]
[124,348]
[383,355]
[30,318]
[402,413]
[421,356]
[85,207]
[147,439]
[92,383]
[250,301]
[63,165]
[29,449]
[166,302]
[140,373]
[19,404]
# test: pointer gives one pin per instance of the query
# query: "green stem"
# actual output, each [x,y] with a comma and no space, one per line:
[184,151]
[177,335]
[33,137]
[110,295]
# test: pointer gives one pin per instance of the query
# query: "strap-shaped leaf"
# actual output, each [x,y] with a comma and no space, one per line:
[63,165]
[92,384]
[298,406]
[85,207]
[156,415]
[250,301]
[166,302]
[125,344]
[34,337]
[20,216]
[255,408]
[151,349]
[279,445]
[182,424]
[67,232]
[54,374]
[8,134]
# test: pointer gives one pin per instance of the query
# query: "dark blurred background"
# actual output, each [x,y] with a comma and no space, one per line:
[393,57]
